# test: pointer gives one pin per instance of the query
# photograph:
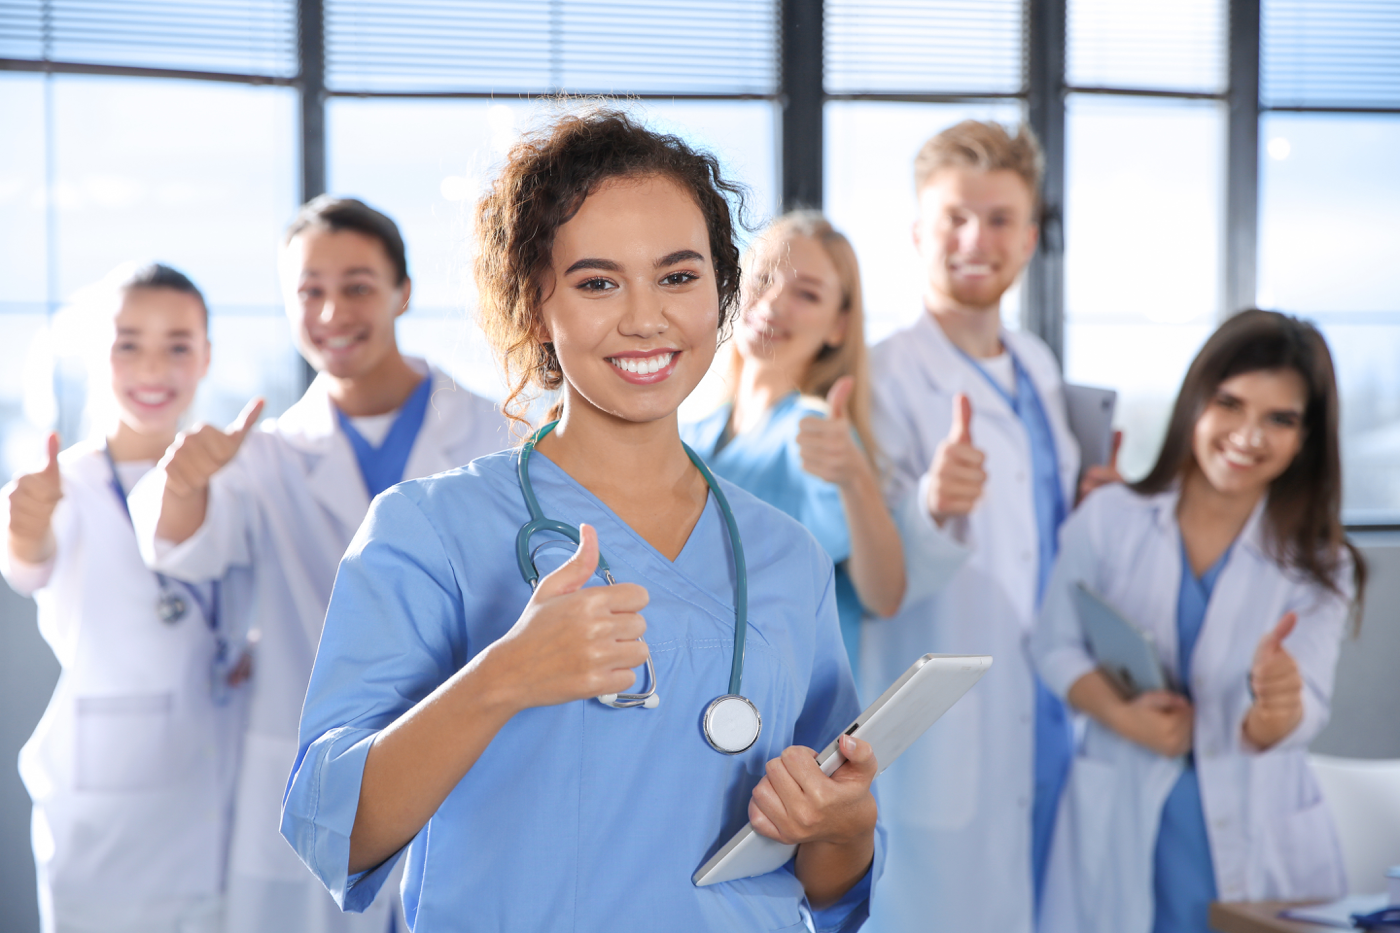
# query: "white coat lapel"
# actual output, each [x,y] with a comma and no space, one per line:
[332,473]
[451,431]
[948,372]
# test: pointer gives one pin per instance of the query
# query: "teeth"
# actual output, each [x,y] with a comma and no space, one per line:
[1237,459]
[975,269]
[642,366]
[150,398]
[339,343]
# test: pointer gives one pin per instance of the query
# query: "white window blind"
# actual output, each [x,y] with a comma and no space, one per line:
[724,47]
[256,37]
[1157,45]
[925,46]
[1330,53]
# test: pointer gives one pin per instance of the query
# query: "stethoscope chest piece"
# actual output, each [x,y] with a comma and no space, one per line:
[171,607]
[732,724]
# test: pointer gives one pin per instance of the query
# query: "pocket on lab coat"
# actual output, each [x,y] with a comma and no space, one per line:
[123,742]
[1305,859]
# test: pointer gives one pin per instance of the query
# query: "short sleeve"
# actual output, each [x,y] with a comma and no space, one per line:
[395,591]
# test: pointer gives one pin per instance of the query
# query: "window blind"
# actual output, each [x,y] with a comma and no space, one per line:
[1330,53]
[256,37]
[925,46]
[725,47]
[1158,45]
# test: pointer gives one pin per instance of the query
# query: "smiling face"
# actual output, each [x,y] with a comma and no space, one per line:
[342,300]
[1250,430]
[793,306]
[632,306]
[975,233]
[160,351]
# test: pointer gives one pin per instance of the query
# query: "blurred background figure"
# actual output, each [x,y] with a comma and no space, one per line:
[281,503]
[796,430]
[131,769]
[1231,552]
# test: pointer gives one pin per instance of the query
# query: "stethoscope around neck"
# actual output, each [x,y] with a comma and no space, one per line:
[731,723]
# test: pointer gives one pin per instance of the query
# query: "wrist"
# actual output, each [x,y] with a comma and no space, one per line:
[492,682]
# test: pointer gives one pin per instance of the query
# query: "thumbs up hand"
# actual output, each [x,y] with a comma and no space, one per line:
[572,643]
[829,450]
[956,476]
[201,452]
[1277,685]
[33,498]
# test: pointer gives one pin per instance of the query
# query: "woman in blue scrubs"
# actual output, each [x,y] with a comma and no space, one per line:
[455,714]
[1230,554]
[800,338]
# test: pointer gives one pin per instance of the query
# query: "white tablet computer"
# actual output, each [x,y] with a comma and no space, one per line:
[891,724]
[1090,413]
[1125,653]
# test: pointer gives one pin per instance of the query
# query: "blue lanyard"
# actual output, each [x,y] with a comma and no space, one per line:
[383,466]
[1050,510]
[209,607]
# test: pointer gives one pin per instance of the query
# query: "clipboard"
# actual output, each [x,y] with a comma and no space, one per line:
[915,701]
[1126,654]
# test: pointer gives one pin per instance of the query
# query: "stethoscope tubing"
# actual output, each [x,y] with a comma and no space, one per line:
[538,522]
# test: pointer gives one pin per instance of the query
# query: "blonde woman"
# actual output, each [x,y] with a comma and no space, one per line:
[800,338]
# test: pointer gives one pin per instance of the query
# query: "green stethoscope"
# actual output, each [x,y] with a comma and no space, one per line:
[731,723]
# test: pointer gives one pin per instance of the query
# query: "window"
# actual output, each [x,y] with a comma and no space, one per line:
[1328,198]
[194,174]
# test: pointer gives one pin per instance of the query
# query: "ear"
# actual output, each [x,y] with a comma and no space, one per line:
[407,288]
[1032,238]
[208,356]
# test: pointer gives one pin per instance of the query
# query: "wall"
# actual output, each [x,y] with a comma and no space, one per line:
[1366,708]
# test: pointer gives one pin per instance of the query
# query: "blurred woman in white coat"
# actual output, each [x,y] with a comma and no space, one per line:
[285,501]
[1231,555]
[131,768]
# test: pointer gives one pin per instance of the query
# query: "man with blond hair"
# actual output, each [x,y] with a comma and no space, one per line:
[972,419]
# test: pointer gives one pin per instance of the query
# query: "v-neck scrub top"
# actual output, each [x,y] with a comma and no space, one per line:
[576,816]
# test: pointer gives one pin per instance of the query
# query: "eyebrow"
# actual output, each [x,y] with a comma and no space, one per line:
[812,279]
[608,265]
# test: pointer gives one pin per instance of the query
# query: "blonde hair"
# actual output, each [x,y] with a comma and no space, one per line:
[831,362]
[984,146]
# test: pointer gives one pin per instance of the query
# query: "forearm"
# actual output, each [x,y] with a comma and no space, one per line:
[415,762]
[1094,696]
[181,515]
[828,870]
[876,564]
[33,548]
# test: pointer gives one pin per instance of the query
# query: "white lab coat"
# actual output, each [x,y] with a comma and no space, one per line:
[957,805]
[1271,836]
[131,768]
[287,506]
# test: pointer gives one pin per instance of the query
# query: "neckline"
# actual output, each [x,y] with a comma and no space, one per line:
[710,505]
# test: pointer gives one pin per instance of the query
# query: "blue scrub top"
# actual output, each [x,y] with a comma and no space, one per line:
[576,816]
[1183,874]
[768,463]
[1053,735]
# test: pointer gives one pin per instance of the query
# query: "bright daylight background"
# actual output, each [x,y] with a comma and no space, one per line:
[203,175]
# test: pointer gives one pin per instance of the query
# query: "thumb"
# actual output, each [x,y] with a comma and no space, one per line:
[860,759]
[839,395]
[1273,641]
[1113,451]
[245,420]
[574,572]
[961,431]
[51,468]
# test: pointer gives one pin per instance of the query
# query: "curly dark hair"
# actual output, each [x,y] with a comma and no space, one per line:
[546,178]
